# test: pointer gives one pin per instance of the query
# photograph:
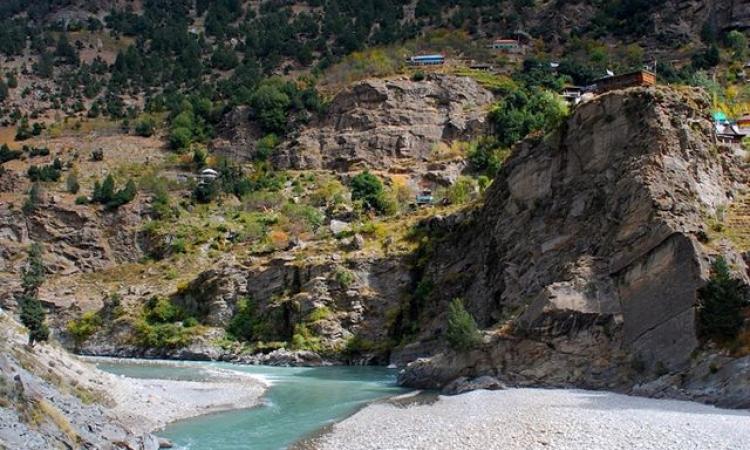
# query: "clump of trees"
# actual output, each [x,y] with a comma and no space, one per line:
[106,194]
[462,333]
[32,312]
[50,172]
[524,111]
[721,303]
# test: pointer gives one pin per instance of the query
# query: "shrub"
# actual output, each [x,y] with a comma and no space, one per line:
[721,303]
[6,154]
[84,327]
[418,76]
[162,310]
[243,323]
[145,127]
[97,155]
[344,277]
[303,339]
[461,191]
[32,201]
[82,200]
[462,331]
[71,184]
[486,156]
[180,138]
[368,188]
[49,172]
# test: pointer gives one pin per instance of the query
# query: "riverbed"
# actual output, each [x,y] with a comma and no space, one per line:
[298,403]
[336,408]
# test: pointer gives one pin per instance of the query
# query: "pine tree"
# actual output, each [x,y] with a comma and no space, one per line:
[32,312]
[462,331]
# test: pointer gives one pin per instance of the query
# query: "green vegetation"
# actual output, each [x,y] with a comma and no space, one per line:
[163,325]
[84,327]
[721,304]
[32,201]
[71,183]
[462,333]
[6,154]
[487,156]
[106,194]
[368,189]
[522,112]
[32,313]
[303,339]
[49,172]
[244,323]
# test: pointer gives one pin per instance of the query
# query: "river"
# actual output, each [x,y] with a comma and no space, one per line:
[299,402]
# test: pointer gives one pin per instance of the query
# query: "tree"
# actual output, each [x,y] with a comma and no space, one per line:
[33,318]
[35,196]
[32,313]
[32,275]
[462,333]
[71,183]
[270,107]
[737,42]
[369,189]
[721,303]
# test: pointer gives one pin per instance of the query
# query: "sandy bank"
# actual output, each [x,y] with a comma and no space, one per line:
[149,404]
[541,419]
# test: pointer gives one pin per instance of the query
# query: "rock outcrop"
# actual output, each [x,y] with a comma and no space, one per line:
[378,124]
[586,259]
[76,239]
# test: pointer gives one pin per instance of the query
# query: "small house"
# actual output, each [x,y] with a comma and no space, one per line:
[424,198]
[624,81]
[208,175]
[572,94]
[482,66]
[506,45]
[426,60]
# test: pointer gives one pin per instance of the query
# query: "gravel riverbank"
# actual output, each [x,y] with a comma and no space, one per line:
[540,419]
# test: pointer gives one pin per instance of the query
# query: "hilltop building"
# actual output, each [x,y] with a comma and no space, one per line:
[507,46]
[627,80]
[426,60]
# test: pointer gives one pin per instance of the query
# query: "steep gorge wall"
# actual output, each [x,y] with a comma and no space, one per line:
[589,247]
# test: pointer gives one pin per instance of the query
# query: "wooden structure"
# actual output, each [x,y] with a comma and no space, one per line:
[627,80]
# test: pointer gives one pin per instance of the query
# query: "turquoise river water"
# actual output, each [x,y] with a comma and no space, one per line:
[300,402]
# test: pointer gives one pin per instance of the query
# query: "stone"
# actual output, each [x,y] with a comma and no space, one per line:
[338,227]
[464,384]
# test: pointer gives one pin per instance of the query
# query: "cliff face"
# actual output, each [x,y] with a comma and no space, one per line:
[377,124]
[591,247]
[50,400]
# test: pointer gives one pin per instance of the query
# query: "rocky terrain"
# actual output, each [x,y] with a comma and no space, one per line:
[49,399]
[587,256]
[393,125]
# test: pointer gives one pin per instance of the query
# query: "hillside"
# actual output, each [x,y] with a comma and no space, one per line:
[274,182]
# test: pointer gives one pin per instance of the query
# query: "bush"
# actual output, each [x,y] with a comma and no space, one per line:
[84,327]
[71,184]
[462,191]
[369,189]
[145,127]
[82,200]
[344,277]
[721,303]
[462,331]
[418,76]
[486,156]
[6,154]
[162,310]
[180,138]
[49,172]
[32,201]
[243,323]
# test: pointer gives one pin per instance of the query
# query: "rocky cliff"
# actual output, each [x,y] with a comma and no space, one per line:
[586,258]
[389,124]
